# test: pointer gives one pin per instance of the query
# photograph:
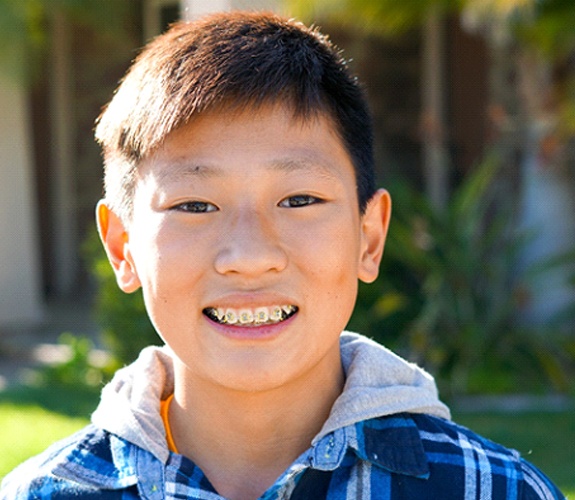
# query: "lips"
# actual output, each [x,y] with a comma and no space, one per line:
[250,317]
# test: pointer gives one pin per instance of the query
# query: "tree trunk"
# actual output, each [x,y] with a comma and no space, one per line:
[435,161]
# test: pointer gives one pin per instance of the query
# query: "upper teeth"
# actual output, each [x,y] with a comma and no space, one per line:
[256,316]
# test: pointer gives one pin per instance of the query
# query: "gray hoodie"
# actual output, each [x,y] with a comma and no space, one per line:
[378,383]
[408,453]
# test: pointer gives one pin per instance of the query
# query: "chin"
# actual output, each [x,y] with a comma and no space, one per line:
[256,379]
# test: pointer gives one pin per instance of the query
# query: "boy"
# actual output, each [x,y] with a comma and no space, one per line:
[240,197]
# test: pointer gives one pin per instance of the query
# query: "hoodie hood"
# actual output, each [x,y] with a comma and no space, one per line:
[130,404]
[378,383]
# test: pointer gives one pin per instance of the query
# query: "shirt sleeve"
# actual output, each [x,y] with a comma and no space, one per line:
[537,486]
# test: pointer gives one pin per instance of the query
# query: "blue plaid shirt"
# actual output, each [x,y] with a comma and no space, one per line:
[404,456]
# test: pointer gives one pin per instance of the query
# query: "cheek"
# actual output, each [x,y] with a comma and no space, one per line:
[335,250]
[164,269]
[330,263]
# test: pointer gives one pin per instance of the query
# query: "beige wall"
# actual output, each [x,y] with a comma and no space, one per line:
[19,267]
[257,4]
[195,8]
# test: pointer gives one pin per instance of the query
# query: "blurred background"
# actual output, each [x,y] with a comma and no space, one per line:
[474,110]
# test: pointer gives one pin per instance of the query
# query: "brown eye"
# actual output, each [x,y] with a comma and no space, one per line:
[300,200]
[195,207]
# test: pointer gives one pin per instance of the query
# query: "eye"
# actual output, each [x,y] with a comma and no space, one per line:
[300,200]
[196,207]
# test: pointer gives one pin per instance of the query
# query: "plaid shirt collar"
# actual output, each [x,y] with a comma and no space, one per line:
[103,460]
[392,443]
[386,456]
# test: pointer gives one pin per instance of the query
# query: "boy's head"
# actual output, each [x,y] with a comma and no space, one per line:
[230,62]
[237,151]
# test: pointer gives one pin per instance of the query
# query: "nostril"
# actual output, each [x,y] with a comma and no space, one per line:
[251,258]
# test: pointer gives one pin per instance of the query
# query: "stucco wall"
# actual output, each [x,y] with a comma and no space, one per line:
[195,8]
[19,276]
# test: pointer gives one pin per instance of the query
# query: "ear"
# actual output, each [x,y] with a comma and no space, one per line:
[374,225]
[115,239]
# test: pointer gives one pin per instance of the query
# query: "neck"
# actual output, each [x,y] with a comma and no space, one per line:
[243,441]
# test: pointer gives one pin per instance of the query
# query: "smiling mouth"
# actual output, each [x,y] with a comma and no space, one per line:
[259,316]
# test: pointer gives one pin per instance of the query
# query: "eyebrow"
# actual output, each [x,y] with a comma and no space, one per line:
[312,164]
[181,170]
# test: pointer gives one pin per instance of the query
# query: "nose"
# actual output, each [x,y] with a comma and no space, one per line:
[250,246]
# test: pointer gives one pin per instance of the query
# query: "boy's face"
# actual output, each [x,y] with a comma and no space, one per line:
[252,216]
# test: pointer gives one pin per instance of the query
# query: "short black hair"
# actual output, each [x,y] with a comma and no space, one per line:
[230,60]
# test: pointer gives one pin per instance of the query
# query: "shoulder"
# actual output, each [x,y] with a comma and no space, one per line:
[456,454]
[80,465]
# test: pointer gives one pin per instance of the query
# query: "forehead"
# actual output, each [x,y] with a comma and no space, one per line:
[272,136]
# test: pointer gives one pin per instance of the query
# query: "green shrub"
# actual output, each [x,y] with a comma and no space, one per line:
[449,292]
[126,328]
[79,369]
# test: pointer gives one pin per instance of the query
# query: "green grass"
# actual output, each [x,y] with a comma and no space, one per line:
[544,439]
[69,400]
[32,418]
[26,430]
